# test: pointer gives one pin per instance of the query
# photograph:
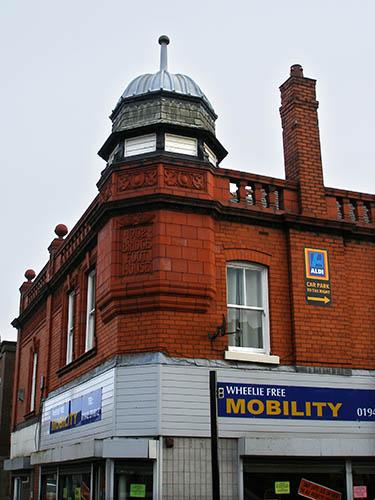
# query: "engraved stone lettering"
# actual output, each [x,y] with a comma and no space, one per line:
[137,249]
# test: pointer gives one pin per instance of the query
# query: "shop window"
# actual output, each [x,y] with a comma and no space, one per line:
[280,479]
[49,486]
[99,482]
[70,328]
[363,480]
[133,480]
[90,311]
[247,296]
[75,486]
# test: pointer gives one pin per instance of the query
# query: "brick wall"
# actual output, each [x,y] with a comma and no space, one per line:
[161,286]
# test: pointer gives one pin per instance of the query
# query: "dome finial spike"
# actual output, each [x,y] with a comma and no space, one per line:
[163,41]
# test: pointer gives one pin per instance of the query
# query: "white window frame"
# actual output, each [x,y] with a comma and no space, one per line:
[112,156]
[33,381]
[139,145]
[90,311]
[70,328]
[261,355]
[181,144]
[212,158]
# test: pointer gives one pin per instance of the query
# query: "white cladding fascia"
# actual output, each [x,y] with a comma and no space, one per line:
[302,446]
[144,397]
[25,441]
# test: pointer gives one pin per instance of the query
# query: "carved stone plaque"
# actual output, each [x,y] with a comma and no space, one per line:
[137,250]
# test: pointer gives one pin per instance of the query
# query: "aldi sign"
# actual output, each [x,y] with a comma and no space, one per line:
[317,279]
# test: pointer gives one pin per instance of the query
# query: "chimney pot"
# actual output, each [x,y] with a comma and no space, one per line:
[296,70]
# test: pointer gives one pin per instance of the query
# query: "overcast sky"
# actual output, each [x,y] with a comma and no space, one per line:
[64,65]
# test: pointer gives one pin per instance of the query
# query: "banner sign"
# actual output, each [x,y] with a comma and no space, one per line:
[76,412]
[316,491]
[317,280]
[297,403]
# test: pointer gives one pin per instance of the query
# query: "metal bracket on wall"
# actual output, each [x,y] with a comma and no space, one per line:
[221,330]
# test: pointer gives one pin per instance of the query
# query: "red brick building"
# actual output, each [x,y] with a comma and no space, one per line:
[177,267]
[7,361]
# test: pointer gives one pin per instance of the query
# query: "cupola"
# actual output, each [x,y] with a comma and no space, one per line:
[163,113]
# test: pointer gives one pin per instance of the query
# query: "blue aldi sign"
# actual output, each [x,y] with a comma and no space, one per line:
[317,279]
[296,403]
[77,412]
[317,263]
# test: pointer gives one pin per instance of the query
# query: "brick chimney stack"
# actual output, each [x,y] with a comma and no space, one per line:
[302,154]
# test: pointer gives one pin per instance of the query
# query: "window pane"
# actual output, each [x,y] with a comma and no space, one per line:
[250,326]
[69,339]
[235,286]
[74,487]
[253,288]
[133,480]
[90,316]
[181,144]
[33,382]
[91,291]
[140,145]
[49,483]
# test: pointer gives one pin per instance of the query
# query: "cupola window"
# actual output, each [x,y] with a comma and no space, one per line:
[181,144]
[111,158]
[140,145]
[212,158]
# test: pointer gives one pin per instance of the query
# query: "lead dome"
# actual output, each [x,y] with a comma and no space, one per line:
[163,114]
[163,80]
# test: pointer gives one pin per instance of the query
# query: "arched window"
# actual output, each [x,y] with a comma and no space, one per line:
[247,300]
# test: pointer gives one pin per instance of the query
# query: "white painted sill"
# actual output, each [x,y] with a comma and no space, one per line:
[252,357]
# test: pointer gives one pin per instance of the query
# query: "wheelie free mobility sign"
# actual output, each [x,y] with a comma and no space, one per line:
[295,402]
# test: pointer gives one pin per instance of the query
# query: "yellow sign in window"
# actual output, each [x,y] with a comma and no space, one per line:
[282,487]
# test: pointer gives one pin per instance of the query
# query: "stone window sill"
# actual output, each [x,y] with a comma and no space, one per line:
[76,362]
[252,357]
[29,415]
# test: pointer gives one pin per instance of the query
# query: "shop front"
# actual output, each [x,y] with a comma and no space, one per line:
[72,482]
[283,435]
[126,479]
